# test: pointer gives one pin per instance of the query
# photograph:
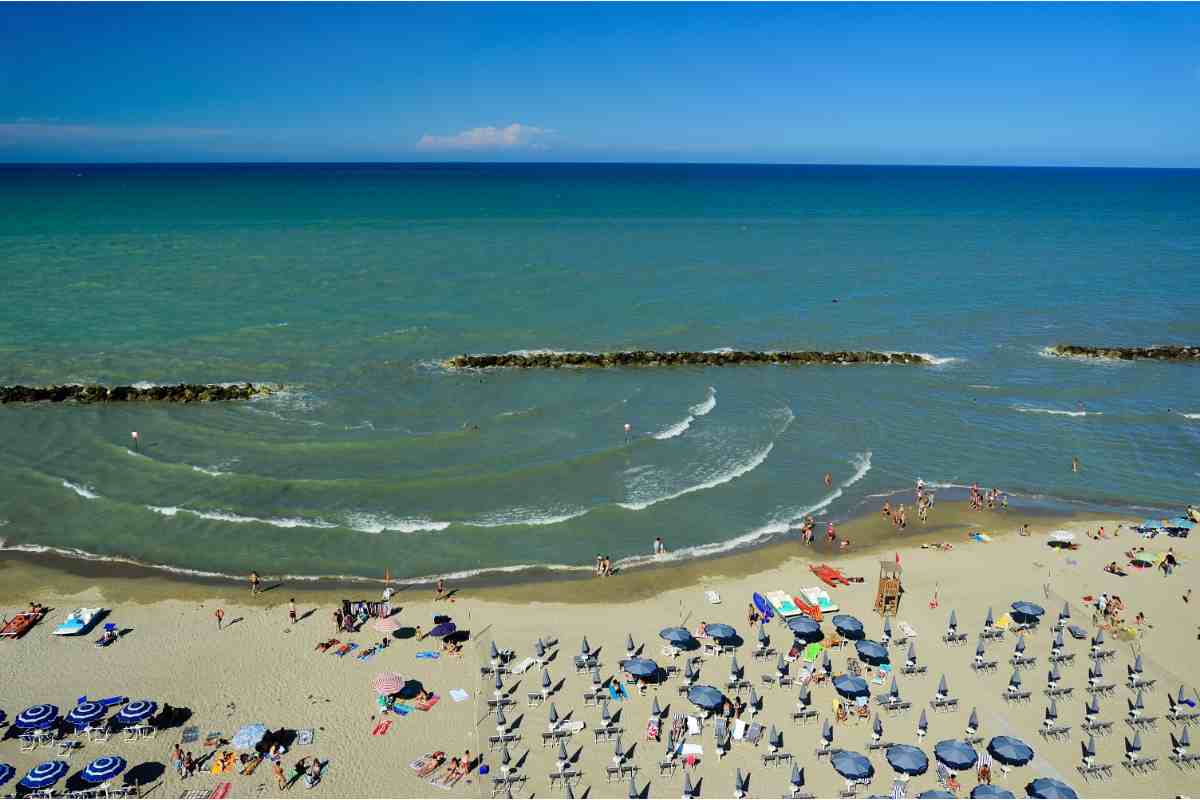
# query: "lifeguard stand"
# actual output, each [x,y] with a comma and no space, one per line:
[887,596]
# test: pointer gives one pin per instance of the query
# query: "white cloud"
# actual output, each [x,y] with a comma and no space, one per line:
[514,136]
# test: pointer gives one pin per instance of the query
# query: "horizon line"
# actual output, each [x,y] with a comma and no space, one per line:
[301,163]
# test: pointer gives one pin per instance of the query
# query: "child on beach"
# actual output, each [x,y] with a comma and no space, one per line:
[292,611]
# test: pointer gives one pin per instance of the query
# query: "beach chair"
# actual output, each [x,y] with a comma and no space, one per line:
[566,777]
[945,704]
[1146,684]
[1023,662]
[854,667]
[804,715]
[1056,732]
[1140,765]
[983,666]
[1059,692]
[754,734]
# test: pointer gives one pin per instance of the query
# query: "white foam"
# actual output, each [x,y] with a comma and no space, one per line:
[215,469]
[366,424]
[1189,416]
[980,386]
[134,453]
[862,465]
[228,516]
[731,474]
[379,523]
[526,516]
[939,361]
[86,492]
[1056,411]
[707,404]
[675,429]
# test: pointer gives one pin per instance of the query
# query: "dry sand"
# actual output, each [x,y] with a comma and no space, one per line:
[261,669]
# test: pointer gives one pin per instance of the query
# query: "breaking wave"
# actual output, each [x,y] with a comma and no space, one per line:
[1056,411]
[228,516]
[379,523]
[698,410]
[86,492]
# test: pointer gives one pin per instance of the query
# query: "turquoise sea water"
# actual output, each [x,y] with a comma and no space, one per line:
[348,283]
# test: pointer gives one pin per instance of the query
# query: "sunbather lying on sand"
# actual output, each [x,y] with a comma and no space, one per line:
[1115,569]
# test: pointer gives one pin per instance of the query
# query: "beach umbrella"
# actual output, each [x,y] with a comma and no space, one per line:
[923,722]
[943,687]
[805,695]
[605,714]
[501,719]
[955,754]
[569,793]
[505,757]
[633,790]
[641,667]
[1052,710]
[990,792]
[493,651]
[6,773]
[826,664]
[546,682]
[85,713]
[739,782]
[1096,670]
[676,636]
[850,686]
[1098,639]
[872,653]
[719,630]
[618,750]
[104,768]
[499,684]
[979,649]
[953,623]
[136,711]
[1140,702]
[894,691]
[670,742]
[805,629]
[990,621]
[1027,612]
[553,716]
[781,665]
[390,683]
[1093,706]
[443,630]
[391,625]
[36,718]
[1010,751]
[877,726]
[539,648]
[887,627]
[775,738]
[848,626]
[1066,611]
[797,779]
[629,647]
[688,791]
[907,760]
[753,698]
[931,793]
[1050,789]
[762,634]
[562,752]
[1058,641]
[851,765]
[1180,697]
[734,669]
[1015,680]
[596,676]
[655,711]
[973,720]
[1136,745]
[1089,749]
[1020,645]
[44,775]
[827,732]
[689,673]
[912,653]
[707,697]
[1137,664]
[1185,740]
[249,736]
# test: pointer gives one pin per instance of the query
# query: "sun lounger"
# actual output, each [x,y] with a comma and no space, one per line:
[1023,662]
[983,666]
[667,767]
[1058,732]
[607,733]
[1016,697]
[1103,655]
[1059,692]
[991,634]
[1189,760]
[1146,684]
[622,772]
[495,742]
[897,708]
[822,752]
[1141,765]
[915,669]
[776,759]
[1097,728]
[947,704]
[583,664]
[881,745]
[502,702]
[955,639]
[523,666]
[565,777]
[1063,658]
[753,734]
[1177,717]
[507,782]
[1142,723]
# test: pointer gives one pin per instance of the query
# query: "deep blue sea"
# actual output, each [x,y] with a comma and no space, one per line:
[348,284]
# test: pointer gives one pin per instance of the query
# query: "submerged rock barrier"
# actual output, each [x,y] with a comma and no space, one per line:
[654,358]
[94,393]
[1160,353]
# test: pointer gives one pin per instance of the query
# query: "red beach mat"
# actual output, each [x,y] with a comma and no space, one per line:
[381,727]
[222,791]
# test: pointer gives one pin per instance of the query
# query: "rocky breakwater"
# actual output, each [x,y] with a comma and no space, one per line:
[94,393]
[653,358]
[1160,353]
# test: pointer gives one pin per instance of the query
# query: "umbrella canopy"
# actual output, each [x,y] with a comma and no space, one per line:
[826,664]
[1137,664]
[935,793]
[44,775]
[707,697]
[677,636]
[912,653]
[923,722]
[505,756]
[633,790]
[596,676]
[689,671]
[848,626]
[990,792]
[641,667]
[498,683]
[887,627]
[1054,676]
[1058,641]
[443,630]
[618,748]
[851,765]
[805,695]
[539,648]
[629,645]
[1049,788]
[850,686]
[955,754]
[1140,701]
[136,711]
[806,629]
[249,736]
[1023,610]
[1098,639]
[1010,751]
[1096,670]
[780,664]
[753,698]
[36,718]
[104,768]
[85,713]
[718,630]
[6,773]
[390,683]
[871,652]
[907,760]
[391,625]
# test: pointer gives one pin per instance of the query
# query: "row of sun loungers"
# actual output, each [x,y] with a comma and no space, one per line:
[508,782]
[1101,772]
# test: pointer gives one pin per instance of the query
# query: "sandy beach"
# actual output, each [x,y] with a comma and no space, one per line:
[261,669]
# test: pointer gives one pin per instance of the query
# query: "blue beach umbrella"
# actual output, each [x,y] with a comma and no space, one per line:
[641,667]
[955,754]
[850,686]
[935,793]
[4,716]
[6,773]
[719,630]
[1049,788]
[990,792]
[86,713]
[707,697]
[806,629]
[871,652]
[443,630]
[1010,751]
[907,760]
[676,636]
[44,775]
[851,765]
[249,736]
[136,711]
[848,626]
[104,768]
[1027,612]
[35,718]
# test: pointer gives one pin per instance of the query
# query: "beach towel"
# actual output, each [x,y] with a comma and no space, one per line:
[1004,622]
[304,737]
[907,630]
[382,727]
[652,730]
[689,749]
[222,791]
[403,709]
[190,734]
[525,664]
[693,726]
[739,729]
[346,648]
[813,652]
[430,703]
[459,695]
[367,655]
[428,655]
[617,692]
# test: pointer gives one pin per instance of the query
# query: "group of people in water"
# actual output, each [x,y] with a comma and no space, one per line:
[993,497]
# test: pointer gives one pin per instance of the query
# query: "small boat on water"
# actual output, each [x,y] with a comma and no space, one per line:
[77,622]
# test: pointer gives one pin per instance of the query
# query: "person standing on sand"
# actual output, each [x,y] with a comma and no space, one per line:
[277,768]
[440,589]
[220,615]
[292,611]
[177,759]
[255,581]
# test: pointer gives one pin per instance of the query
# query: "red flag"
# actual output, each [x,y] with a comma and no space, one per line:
[897,556]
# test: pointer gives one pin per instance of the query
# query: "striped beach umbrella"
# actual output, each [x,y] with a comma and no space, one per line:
[44,775]
[386,624]
[85,713]
[35,718]
[136,711]
[104,768]
[6,773]
[388,683]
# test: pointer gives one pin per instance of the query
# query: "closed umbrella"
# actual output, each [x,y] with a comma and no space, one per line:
[1050,789]
[1096,670]
[877,726]
[894,691]
[390,625]
[618,749]
[907,760]
[780,665]
[850,686]
[443,630]
[826,664]
[546,682]
[553,716]
[848,626]
[753,698]
[391,683]
[688,790]
[1020,646]
[655,711]
[762,635]
[827,732]
[943,687]
[505,757]
[734,669]
[641,667]
[1010,751]
[569,793]
[1058,641]
[585,649]
[1055,676]
[973,720]
[1098,639]
[775,738]
[979,650]
[1185,740]
[1137,664]
[990,792]
[955,754]
[501,719]
[1136,745]
[539,648]
[953,623]
[851,765]
[1093,706]
[1015,680]
[870,652]
[990,621]
[739,782]
[805,695]
[797,779]
[1140,701]
[805,629]
[44,775]
[923,722]
[85,713]
[720,631]
[706,697]
[104,769]
[629,646]
[605,714]
[1089,748]
[136,711]
[887,627]
[689,673]
[249,736]
[493,652]
[633,790]
[36,718]
[912,653]
[562,752]
[596,677]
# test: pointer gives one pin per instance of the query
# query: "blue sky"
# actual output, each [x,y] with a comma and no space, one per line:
[1067,84]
